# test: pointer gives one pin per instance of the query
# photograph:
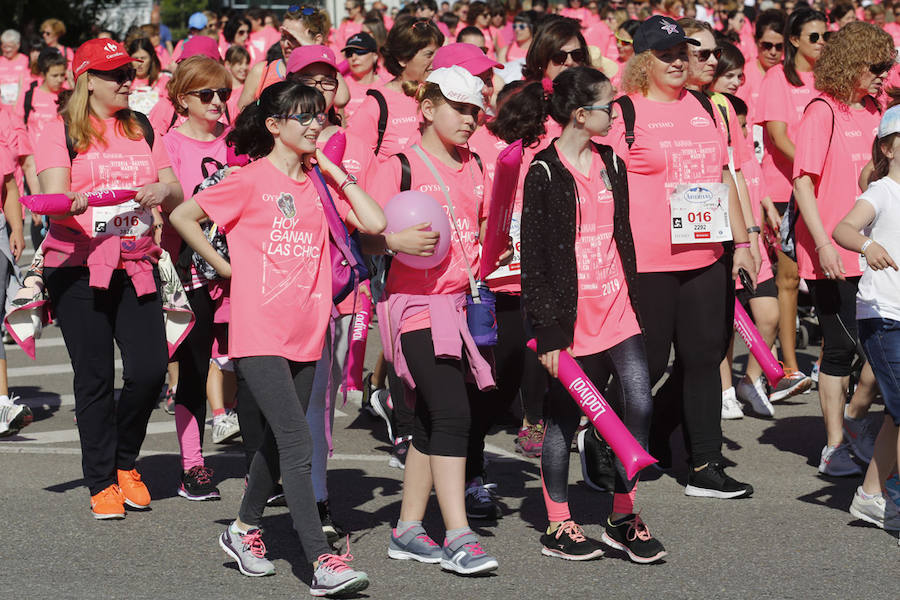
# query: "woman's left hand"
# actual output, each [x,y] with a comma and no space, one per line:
[152,194]
[743,260]
[507,255]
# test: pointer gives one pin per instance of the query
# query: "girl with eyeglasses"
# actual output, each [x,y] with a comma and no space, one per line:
[784,94]
[280,305]
[834,143]
[99,268]
[578,282]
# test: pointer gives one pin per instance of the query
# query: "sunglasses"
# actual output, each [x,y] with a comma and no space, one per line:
[882,67]
[46,33]
[420,24]
[120,76]
[304,118]
[623,42]
[815,36]
[769,46]
[703,55]
[607,108]
[520,26]
[306,11]
[206,96]
[560,56]
[326,84]
[242,32]
[348,52]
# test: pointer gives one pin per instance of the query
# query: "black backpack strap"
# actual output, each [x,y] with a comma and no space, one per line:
[405,172]
[478,160]
[29,100]
[704,100]
[382,116]
[143,123]
[172,122]
[227,114]
[626,107]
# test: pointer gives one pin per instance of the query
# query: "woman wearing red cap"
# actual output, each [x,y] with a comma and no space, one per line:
[99,268]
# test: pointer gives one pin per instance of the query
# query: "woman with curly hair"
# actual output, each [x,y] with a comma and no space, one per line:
[834,142]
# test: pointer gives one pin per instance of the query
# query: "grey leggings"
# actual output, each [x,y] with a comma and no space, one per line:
[281,389]
[629,396]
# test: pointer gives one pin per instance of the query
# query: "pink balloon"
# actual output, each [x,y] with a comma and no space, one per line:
[411,208]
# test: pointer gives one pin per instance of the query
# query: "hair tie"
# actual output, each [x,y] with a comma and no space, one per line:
[547,84]
[419,88]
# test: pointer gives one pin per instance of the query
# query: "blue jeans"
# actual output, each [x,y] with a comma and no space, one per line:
[881,341]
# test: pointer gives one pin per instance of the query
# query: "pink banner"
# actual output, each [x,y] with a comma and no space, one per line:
[359,333]
[758,347]
[60,204]
[503,198]
[634,458]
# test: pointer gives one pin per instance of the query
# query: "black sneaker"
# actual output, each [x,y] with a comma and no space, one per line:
[631,536]
[480,502]
[569,543]
[712,482]
[276,498]
[197,485]
[598,463]
[365,404]
[398,454]
[333,532]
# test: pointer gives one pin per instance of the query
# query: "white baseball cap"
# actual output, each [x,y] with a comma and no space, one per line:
[458,85]
[890,122]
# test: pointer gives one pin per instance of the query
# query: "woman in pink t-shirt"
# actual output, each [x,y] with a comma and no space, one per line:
[280,273]
[578,273]
[834,142]
[361,53]
[769,36]
[99,268]
[523,29]
[150,84]
[237,61]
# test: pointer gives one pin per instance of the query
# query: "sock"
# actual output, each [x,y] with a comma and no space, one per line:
[624,503]
[453,534]
[403,526]
[218,415]
[4,399]
[188,438]
[235,529]
[866,496]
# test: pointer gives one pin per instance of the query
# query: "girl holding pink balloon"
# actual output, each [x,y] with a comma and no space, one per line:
[578,274]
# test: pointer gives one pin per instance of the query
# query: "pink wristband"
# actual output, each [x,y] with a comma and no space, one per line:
[742,245]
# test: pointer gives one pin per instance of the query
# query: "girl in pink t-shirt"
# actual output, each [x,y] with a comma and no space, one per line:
[578,272]
[42,105]
[834,143]
[280,275]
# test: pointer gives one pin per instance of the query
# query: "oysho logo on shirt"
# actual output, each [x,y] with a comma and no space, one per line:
[430,187]
[660,125]
[398,120]
[854,133]
[700,122]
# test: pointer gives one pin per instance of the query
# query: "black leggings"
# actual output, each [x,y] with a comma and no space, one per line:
[629,397]
[404,412]
[193,358]
[443,413]
[91,320]
[692,309]
[835,303]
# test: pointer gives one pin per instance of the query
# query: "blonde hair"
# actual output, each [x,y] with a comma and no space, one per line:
[58,27]
[849,52]
[422,92]
[636,78]
[196,73]
[84,125]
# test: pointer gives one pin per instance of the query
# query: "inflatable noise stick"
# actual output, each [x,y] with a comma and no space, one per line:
[758,347]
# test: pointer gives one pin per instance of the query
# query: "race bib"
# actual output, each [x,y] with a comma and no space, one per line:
[9,92]
[514,268]
[127,220]
[700,213]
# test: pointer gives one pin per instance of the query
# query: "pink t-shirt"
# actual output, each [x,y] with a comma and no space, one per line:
[749,91]
[598,35]
[781,101]
[604,316]
[263,39]
[14,75]
[280,260]
[358,93]
[667,151]
[43,110]
[835,166]
[515,52]
[753,175]
[402,128]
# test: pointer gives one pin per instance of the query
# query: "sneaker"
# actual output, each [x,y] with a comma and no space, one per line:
[530,440]
[480,503]
[136,493]
[333,532]
[108,504]
[226,429]
[731,408]
[713,482]
[380,403]
[248,550]
[569,543]
[892,487]
[333,576]
[414,544]
[598,463]
[837,462]
[365,403]
[197,485]
[632,536]
[755,395]
[877,510]
[814,374]
[861,434]
[583,424]
[277,497]
[13,417]
[398,453]
[793,383]
[464,555]
[169,402]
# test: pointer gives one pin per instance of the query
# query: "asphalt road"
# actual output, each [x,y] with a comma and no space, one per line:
[793,539]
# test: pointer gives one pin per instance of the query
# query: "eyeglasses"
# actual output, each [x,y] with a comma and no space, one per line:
[703,55]
[769,46]
[520,26]
[206,96]
[882,67]
[306,11]
[120,76]
[304,118]
[607,108]
[326,84]
[815,36]
[348,52]
[561,56]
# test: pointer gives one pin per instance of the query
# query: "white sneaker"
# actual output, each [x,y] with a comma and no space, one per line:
[877,510]
[13,417]
[861,434]
[226,428]
[731,408]
[755,394]
[837,462]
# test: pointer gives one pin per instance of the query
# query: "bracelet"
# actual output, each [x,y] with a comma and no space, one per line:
[160,226]
[742,245]
[754,229]
[865,245]
[828,243]
[351,179]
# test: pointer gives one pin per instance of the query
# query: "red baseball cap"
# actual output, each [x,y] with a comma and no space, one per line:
[468,56]
[101,54]
[303,56]
[200,45]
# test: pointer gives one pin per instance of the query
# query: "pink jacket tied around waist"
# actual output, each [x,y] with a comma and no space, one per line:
[449,333]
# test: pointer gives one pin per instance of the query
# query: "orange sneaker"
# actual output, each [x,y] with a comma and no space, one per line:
[108,504]
[136,493]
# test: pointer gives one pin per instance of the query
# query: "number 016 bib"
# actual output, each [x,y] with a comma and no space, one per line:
[700,213]
[127,220]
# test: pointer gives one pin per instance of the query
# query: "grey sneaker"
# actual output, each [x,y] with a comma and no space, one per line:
[837,462]
[414,544]
[334,577]
[877,510]
[754,393]
[861,434]
[248,550]
[226,429]
[464,555]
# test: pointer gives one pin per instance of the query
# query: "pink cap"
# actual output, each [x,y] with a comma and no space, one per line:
[201,45]
[468,56]
[99,55]
[303,56]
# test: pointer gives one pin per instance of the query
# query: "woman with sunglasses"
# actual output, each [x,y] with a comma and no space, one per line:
[280,305]
[623,39]
[51,30]
[99,268]
[769,36]
[237,33]
[150,83]
[785,91]
[479,16]
[834,142]
[683,284]
[352,23]
[523,30]
[361,52]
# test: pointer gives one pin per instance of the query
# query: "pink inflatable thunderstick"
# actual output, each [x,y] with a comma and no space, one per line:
[758,347]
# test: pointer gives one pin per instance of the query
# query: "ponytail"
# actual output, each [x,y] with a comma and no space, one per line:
[521,113]
[880,161]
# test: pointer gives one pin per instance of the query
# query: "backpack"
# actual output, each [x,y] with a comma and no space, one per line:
[382,121]
[29,101]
